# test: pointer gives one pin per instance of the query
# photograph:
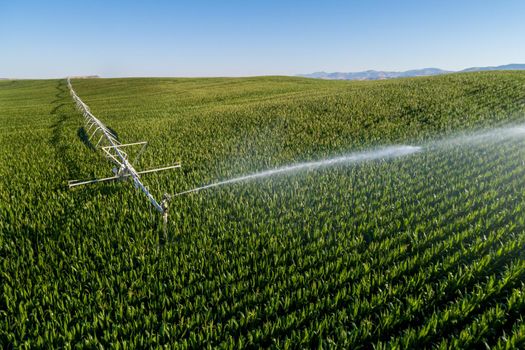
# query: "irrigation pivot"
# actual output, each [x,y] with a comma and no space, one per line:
[113,149]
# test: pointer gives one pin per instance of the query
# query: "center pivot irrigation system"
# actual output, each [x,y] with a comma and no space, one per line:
[113,150]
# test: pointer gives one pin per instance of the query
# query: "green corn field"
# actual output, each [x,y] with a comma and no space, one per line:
[422,251]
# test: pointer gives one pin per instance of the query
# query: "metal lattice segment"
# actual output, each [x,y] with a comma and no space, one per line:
[112,149]
[74,183]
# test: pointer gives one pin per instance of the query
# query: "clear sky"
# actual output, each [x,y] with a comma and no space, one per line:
[254,37]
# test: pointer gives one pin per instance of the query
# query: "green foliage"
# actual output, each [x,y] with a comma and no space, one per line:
[425,251]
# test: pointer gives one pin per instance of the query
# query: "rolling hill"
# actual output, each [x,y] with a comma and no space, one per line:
[420,251]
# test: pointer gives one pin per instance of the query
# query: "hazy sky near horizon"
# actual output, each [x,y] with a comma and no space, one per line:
[40,39]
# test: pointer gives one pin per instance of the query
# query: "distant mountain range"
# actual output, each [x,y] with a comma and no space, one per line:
[378,75]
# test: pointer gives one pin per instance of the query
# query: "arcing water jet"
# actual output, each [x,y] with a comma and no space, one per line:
[482,137]
[357,157]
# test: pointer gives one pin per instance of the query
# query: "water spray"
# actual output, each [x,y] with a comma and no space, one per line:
[482,137]
[353,158]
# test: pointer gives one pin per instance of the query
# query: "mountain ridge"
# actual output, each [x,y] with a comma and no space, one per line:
[381,75]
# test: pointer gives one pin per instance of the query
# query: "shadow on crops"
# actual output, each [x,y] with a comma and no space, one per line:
[58,138]
[113,132]
[84,137]
[55,109]
[61,94]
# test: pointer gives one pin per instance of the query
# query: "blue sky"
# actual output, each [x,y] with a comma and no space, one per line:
[41,39]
